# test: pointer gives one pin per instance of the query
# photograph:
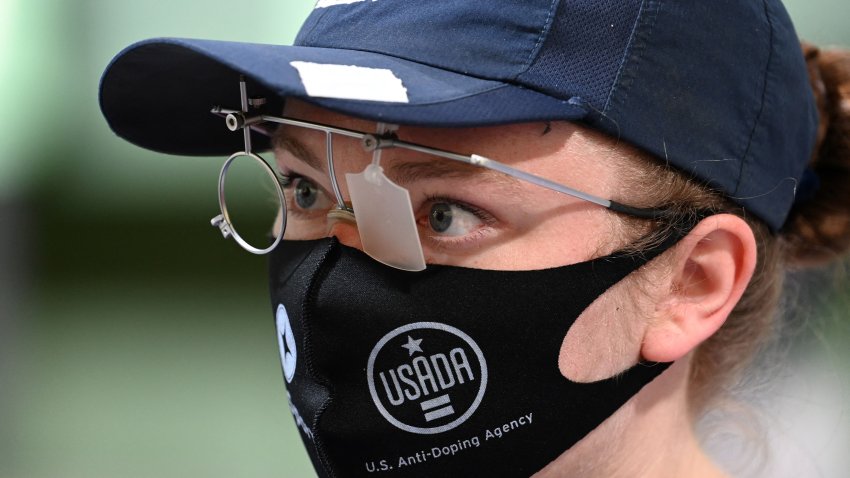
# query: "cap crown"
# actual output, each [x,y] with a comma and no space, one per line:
[566,49]
[717,88]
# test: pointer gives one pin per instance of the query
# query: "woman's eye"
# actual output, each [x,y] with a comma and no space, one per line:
[307,195]
[449,219]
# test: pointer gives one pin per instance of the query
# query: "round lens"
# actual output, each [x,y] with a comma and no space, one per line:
[250,193]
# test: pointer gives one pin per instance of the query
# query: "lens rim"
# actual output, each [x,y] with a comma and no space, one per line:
[222,202]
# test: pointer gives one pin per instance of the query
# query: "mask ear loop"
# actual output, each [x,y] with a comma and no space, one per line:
[222,221]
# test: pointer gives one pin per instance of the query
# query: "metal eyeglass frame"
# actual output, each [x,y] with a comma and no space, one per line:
[236,120]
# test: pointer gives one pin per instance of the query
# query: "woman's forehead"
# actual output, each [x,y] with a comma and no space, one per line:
[563,152]
[508,143]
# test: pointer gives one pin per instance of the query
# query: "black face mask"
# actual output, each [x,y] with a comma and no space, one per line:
[445,372]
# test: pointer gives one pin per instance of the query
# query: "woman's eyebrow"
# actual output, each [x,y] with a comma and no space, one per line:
[299,150]
[408,171]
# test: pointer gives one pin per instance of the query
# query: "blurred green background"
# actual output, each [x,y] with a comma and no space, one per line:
[134,341]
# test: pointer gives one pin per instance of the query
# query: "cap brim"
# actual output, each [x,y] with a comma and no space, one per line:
[158,93]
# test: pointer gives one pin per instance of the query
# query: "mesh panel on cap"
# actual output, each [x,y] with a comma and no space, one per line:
[584,49]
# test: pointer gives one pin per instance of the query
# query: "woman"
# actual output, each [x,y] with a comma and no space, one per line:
[575,217]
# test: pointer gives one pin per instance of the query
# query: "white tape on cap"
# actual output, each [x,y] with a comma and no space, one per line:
[350,82]
[331,3]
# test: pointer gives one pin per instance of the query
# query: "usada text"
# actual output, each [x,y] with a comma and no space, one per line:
[448,449]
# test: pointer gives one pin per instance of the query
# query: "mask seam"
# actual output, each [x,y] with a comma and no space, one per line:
[310,299]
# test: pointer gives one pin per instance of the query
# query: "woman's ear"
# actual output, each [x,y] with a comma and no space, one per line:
[711,269]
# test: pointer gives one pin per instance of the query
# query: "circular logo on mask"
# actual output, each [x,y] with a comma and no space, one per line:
[426,377]
[286,342]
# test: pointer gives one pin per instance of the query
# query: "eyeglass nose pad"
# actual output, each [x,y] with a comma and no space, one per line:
[342,214]
[341,224]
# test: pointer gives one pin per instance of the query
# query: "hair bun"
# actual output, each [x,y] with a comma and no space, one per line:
[818,230]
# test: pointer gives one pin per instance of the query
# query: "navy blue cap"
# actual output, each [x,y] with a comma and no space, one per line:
[719,89]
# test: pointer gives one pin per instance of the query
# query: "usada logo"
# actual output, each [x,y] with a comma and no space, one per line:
[426,377]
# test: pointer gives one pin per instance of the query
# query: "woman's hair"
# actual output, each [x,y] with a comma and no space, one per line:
[817,230]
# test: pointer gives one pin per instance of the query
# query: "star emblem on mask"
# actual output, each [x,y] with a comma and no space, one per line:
[412,346]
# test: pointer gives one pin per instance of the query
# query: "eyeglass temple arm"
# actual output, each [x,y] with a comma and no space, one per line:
[478,160]
[372,142]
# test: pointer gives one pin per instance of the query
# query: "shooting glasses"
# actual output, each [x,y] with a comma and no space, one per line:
[380,209]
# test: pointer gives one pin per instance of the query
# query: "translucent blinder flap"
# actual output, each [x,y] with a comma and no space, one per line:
[385,219]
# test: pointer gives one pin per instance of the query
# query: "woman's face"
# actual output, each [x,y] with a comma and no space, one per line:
[497,222]
[467,215]
[472,217]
